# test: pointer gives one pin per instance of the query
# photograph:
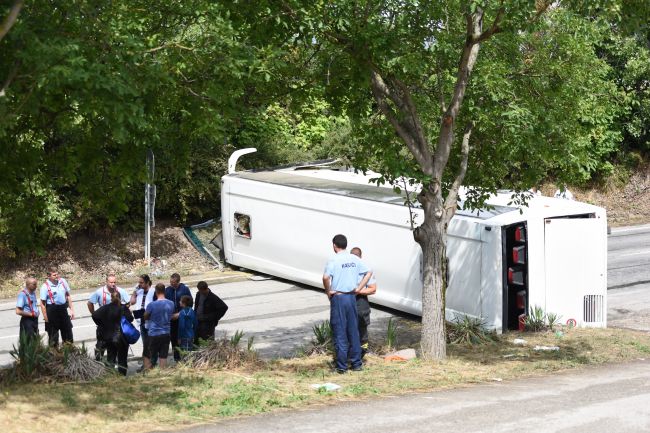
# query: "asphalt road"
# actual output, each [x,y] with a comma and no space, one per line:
[279,315]
[628,278]
[628,258]
[607,399]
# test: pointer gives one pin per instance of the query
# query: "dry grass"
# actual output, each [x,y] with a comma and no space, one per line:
[184,395]
[85,259]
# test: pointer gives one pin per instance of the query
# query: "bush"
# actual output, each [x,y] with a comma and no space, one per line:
[35,362]
[223,353]
[468,330]
[538,320]
[322,343]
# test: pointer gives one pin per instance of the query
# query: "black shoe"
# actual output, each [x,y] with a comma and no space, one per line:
[339,371]
[359,368]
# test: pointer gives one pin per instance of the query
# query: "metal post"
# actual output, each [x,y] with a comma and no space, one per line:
[147,226]
[149,203]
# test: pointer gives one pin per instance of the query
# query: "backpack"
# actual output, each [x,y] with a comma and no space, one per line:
[131,334]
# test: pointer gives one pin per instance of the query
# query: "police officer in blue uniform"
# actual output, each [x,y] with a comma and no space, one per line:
[174,292]
[101,297]
[363,306]
[55,294]
[27,308]
[341,282]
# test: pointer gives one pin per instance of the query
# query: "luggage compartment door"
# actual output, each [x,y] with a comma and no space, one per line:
[575,251]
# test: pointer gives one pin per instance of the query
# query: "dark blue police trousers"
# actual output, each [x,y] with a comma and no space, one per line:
[345,330]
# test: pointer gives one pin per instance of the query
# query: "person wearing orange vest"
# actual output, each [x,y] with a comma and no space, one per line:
[27,308]
[55,295]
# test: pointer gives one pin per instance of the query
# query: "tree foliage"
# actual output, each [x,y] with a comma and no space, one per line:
[89,86]
[493,94]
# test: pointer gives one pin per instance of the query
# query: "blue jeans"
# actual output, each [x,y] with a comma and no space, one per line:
[345,330]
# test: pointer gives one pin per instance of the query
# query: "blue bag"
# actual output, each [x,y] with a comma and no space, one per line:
[131,334]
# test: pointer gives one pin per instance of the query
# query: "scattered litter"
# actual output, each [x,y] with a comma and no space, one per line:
[497,379]
[559,334]
[546,348]
[328,386]
[510,355]
[401,355]
[641,359]
[519,342]
[260,277]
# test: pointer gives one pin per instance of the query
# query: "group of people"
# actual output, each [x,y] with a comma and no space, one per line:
[164,314]
[170,315]
[348,282]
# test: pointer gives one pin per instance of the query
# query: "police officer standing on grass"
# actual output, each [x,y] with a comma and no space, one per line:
[27,308]
[363,306]
[101,297]
[341,282]
[55,295]
[174,292]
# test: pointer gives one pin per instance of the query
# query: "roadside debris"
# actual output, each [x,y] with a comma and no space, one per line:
[546,348]
[325,387]
[519,342]
[401,355]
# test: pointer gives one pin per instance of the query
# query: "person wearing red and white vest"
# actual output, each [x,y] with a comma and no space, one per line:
[27,308]
[55,296]
[101,297]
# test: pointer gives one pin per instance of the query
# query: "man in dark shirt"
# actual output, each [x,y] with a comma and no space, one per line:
[209,310]
[174,293]
[159,314]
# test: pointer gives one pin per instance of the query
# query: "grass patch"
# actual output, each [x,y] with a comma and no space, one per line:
[185,395]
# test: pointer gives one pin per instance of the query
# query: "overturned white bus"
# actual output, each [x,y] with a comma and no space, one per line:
[502,261]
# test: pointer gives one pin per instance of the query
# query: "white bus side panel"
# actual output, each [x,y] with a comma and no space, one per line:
[294,241]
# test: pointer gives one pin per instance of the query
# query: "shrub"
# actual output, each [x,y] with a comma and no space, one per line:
[468,330]
[391,334]
[223,353]
[538,320]
[322,343]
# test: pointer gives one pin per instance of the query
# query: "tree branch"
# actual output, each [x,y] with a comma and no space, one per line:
[452,196]
[465,67]
[494,28]
[11,18]
[409,133]
[174,45]
[441,94]
[10,78]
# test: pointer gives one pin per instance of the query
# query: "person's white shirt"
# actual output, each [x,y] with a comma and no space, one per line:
[566,194]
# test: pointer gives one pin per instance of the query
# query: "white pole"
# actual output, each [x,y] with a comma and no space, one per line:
[149,203]
[147,226]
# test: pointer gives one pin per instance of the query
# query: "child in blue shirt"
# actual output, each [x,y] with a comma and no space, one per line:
[187,324]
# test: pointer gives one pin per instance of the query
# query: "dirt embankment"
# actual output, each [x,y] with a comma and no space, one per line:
[85,260]
[627,201]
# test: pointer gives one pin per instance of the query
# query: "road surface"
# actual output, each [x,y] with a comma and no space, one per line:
[280,314]
[612,398]
[628,277]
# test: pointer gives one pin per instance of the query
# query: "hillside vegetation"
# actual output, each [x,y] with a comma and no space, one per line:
[88,87]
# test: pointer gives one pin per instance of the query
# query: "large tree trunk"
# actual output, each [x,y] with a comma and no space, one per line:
[432,238]
[394,100]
